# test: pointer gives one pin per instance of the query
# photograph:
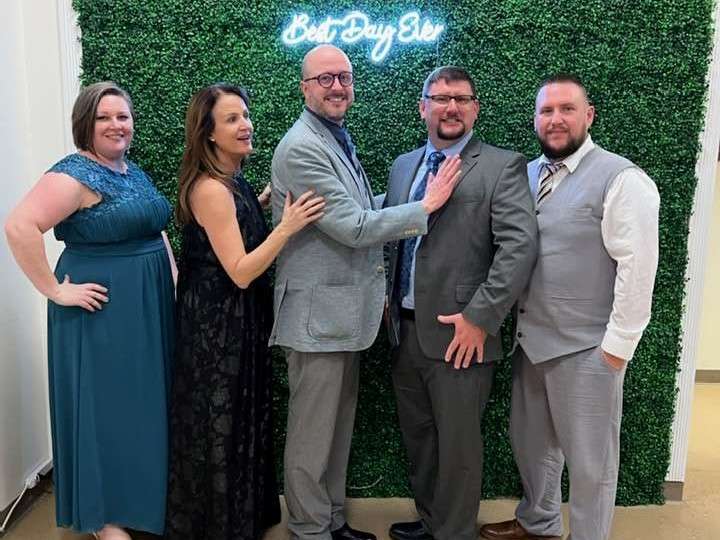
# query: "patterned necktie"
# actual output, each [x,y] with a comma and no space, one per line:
[408,246]
[547,171]
[347,144]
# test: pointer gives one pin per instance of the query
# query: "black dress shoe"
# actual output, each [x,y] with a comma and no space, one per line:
[413,530]
[347,533]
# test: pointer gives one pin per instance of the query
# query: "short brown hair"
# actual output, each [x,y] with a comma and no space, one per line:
[448,74]
[85,109]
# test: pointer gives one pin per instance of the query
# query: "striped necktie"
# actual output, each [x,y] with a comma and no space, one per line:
[547,171]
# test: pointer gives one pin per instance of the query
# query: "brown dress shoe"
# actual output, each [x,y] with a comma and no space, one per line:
[510,530]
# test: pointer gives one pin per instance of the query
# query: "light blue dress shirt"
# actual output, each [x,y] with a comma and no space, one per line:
[408,301]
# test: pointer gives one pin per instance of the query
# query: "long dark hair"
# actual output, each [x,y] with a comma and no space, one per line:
[199,156]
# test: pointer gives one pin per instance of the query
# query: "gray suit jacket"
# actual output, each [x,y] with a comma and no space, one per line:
[479,250]
[330,279]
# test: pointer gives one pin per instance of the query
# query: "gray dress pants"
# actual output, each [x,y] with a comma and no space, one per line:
[321,414]
[440,411]
[567,410]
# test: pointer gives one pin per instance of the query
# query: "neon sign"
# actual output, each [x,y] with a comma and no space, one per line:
[356,26]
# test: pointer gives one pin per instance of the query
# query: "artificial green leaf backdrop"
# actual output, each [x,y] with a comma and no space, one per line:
[644,62]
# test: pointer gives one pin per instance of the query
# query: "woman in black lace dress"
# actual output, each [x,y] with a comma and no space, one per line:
[222,479]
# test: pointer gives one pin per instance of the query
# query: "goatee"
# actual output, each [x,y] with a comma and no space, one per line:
[451,137]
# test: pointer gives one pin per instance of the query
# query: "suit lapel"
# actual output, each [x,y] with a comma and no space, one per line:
[361,185]
[414,161]
[469,158]
[402,178]
[533,178]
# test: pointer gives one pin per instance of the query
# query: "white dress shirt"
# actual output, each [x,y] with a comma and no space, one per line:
[630,235]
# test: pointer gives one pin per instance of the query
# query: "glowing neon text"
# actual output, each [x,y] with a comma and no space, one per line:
[356,26]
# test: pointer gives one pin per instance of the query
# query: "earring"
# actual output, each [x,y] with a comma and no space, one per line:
[212,140]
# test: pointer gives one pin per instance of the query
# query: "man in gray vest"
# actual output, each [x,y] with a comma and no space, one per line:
[330,290]
[449,293]
[579,320]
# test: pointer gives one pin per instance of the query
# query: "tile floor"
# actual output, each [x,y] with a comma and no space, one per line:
[697,517]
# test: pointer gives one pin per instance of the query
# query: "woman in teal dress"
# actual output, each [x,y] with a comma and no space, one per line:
[110,321]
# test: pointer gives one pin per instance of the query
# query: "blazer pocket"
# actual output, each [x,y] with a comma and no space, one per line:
[335,312]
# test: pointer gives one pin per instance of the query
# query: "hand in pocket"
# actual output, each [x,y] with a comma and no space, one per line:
[613,361]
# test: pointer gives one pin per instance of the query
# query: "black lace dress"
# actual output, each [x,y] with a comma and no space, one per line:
[222,479]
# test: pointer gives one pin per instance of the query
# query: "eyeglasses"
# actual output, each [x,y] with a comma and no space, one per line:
[443,100]
[326,80]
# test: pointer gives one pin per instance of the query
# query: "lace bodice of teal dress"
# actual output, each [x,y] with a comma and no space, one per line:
[131,208]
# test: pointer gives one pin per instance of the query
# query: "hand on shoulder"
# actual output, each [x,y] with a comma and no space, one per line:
[441,186]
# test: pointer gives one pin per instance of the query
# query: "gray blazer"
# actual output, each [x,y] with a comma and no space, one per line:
[330,278]
[479,250]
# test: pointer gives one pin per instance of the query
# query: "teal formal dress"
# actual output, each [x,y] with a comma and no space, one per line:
[109,370]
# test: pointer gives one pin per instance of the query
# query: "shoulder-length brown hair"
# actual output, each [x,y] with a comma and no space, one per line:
[199,156]
[85,110]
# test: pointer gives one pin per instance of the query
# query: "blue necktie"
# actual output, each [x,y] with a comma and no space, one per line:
[408,246]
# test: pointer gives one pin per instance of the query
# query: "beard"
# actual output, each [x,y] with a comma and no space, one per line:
[333,112]
[560,153]
[445,136]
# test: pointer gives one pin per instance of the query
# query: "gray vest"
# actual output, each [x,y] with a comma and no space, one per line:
[567,303]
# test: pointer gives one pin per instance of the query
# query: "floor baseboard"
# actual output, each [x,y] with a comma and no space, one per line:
[673,491]
[707,375]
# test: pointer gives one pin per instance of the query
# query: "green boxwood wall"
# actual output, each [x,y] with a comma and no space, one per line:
[644,62]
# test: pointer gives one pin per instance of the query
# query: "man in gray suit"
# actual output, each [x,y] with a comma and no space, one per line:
[579,320]
[330,290]
[449,293]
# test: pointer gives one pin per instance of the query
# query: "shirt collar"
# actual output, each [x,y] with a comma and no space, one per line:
[450,150]
[574,159]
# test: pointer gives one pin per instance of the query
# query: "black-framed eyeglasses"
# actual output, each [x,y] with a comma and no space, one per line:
[444,100]
[326,80]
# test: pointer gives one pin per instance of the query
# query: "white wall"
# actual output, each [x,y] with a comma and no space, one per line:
[708,356]
[32,131]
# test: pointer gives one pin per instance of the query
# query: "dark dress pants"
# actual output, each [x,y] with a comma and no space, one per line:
[440,411]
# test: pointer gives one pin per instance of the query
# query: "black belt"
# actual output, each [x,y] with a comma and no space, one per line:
[407,314]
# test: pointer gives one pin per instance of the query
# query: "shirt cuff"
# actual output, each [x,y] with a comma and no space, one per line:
[619,346]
